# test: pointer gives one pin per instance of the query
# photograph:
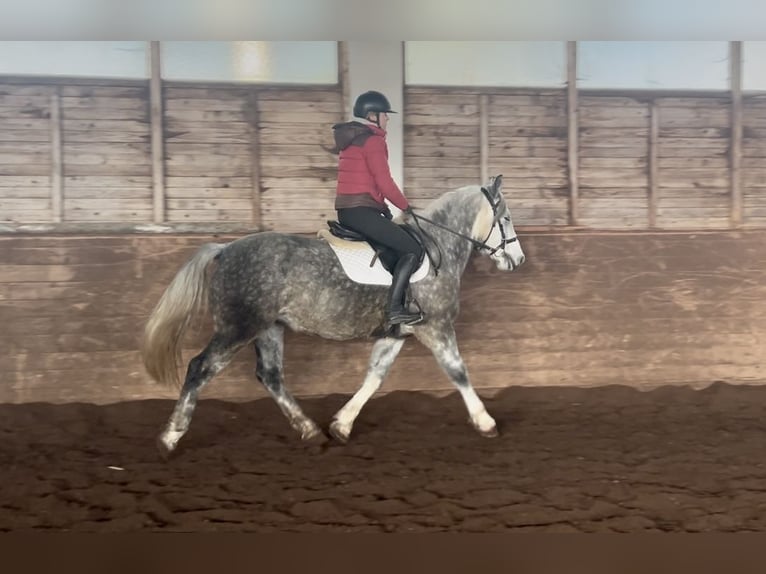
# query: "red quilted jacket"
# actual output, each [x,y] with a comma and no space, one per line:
[363,163]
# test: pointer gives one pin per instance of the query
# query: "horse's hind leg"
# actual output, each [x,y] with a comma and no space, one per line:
[384,352]
[269,346]
[440,338]
[201,370]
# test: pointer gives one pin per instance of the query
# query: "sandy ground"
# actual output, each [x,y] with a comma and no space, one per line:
[609,459]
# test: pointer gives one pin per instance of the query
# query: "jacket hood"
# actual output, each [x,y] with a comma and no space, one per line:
[345,133]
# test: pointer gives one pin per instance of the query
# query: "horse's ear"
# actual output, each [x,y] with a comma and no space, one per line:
[496,182]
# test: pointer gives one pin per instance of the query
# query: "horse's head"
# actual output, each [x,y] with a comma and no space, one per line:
[493,228]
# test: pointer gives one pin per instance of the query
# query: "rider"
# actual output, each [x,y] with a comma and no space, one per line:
[364,180]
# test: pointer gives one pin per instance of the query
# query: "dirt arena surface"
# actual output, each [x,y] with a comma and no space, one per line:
[609,459]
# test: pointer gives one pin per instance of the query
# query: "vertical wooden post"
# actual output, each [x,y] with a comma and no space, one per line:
[735,159]
[157,133]
[654,133]
[255,160]
[484,137]
[57,161]
[572,132]
[345,86]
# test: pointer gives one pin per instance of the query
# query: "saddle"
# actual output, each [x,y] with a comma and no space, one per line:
[365,262]
[346,234]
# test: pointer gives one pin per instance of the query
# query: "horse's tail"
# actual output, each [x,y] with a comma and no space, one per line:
[164,331]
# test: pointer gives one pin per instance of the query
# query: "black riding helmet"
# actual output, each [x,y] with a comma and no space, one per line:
[371,101]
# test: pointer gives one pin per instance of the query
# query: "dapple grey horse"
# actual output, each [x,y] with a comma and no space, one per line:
[267,281]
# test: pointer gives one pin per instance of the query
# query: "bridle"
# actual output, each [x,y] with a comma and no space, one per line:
[478,245]
[495,220]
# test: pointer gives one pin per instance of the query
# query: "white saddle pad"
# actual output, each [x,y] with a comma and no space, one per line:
[355,258]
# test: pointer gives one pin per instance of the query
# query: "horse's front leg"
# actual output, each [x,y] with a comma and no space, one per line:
[384,352]
[440,338]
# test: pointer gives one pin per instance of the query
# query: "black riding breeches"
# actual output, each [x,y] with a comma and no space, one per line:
[381,231]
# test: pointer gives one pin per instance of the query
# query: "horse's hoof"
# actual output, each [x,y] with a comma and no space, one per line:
[491,433]
[315,437]
[164,450]
[337,433]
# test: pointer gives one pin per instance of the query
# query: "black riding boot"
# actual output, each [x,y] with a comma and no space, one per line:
[397,312]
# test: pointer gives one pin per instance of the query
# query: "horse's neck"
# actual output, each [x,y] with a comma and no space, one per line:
[458,213]
[457,210]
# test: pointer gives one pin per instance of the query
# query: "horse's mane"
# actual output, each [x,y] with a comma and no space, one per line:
[448,197]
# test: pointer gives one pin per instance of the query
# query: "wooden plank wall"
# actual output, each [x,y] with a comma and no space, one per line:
[250,156]
[297,174]
[693,156]
[640,309]
[441,142]
[106,154]
[525,141]
[207,155]
[25,158]
[754,161]
[244,155]
[613,162]
[225,144]
[643,161]
[528,145]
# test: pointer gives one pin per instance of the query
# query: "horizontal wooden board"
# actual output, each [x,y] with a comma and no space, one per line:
[10,158]
[30,89]
[84,91]
[23,192]
[547,100]
[140,194]
[209,215]
[26,203]
[303,94]
[26,113]
[450,152]
[204,92]
[28,135]
[213,204]
[26,216]
[701,133]
[628,113]
[613,180]
[700,177]
[192,133]
[616,151]
[717,162]
[14,121]
[194,181]
[104,126]
[588,101]
[25,181]
[105,181]
[599,163]
[102,166]
[721,203]
[33,170]
[596,135]
[178,106]
[112,103]
[139,114]
[209,193]
[523,112]
[206,116]
[535,124]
